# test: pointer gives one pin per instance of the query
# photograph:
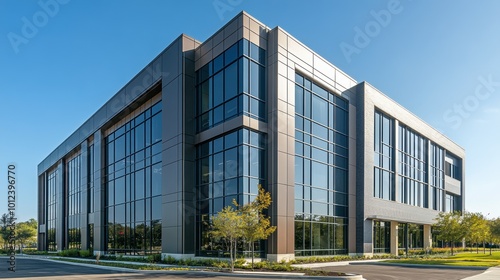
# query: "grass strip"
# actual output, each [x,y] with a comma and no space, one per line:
[462,259]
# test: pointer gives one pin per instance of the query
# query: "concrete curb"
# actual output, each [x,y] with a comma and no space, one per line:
[244,274]
[423,265]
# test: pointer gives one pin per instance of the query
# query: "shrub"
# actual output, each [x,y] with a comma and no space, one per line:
[86,253]
[30,251]
[240,263]
[170,260]
[219,264]
[154,258]
[280,267]
[70,253]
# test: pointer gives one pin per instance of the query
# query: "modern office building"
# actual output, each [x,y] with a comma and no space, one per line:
[349,169]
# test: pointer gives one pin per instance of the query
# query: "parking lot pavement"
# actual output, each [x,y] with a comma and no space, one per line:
[386,272]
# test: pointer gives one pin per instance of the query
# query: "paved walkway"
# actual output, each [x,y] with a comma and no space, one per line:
[490,274]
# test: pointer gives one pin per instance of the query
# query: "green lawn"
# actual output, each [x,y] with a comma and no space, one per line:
[462,259]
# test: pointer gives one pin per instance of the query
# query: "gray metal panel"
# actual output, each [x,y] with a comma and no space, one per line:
[178,172]
[99,194]
[452,185]
[381,209]
[361,181]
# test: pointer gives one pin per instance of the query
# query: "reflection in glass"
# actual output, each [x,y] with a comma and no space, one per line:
[132,192]
[236,162]
[320,170]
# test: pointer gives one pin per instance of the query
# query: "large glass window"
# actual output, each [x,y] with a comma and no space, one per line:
[232,84]
[74,198]
[451,204]
[51,210]
[383,182]
[133,185]
[415,236]
[381,237]
[412,149]
[452,168]
[229,167]
[436,177]
[320,170]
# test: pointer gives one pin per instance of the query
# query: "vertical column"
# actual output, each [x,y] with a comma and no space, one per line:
[364,162]
[189,150]
[281,149]
[368,238]
[396,160]
[60,207]
[99,194]
[84,195]
[394,238]
[430,193]
[427,237]
[42,212]
[178,166]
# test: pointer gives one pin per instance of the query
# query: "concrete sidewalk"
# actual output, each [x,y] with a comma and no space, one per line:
[492,273]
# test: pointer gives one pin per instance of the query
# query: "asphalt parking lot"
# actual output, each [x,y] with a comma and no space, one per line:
[387,272]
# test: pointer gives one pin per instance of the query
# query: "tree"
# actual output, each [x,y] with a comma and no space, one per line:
[226,225]
[4,229]
[476,228]
[26,232]
[450,227]
[255,225]
[494,232]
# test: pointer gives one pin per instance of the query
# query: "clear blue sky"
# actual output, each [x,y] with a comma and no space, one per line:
[439,59]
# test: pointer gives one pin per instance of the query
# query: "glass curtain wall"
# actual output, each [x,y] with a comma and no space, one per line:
[321,147]
[384,157]
[381,237]
[452,167]
[436,177]
[90,193]
[74,198]
[51,210]
[415,236]
[133,185]
[412,149]
[232,84]
[451,203]
[229,167]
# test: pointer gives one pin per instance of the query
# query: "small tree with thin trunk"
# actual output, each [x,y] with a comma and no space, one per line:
[450,227]
[494,232]
[255,225]
[476,228]
[226,225]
